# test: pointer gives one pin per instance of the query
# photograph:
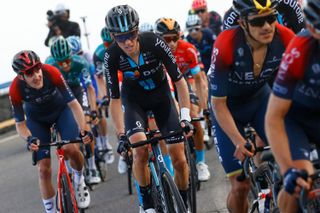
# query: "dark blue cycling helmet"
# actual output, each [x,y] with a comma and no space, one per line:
[121,19]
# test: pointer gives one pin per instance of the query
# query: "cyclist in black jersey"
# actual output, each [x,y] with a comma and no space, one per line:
[140,57]
[290,15]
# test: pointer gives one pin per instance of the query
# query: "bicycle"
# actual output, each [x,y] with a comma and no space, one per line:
[65,194]
[264,178]
[165,193]
[210,129]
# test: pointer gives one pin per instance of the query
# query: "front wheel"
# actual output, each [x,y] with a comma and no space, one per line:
[173,200]
[66,196]
[193,178]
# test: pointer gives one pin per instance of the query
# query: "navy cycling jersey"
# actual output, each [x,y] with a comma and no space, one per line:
[298,78]
[214,23]
[290,15]
[146,76]
[204,46]
[231,72]
[37,103]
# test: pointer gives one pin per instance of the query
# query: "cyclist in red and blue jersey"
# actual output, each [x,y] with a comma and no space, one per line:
[290,15]
[40,97]
[140,57]
[293,115]
[186,56]
[245,59]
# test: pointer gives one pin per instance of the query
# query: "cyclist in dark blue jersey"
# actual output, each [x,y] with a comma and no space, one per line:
[40,97]
[245,58]
[140,57]
[293,115]
[290,15]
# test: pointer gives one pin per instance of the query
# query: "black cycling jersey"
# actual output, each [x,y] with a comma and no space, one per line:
[290,15]
[148,75]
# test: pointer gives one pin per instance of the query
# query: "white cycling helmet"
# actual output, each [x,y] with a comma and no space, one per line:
[193,21]
[146,27]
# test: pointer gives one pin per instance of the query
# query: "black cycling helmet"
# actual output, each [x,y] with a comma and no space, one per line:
[166,26]
[251,7]
[25,60]
[312,13]
[122,18]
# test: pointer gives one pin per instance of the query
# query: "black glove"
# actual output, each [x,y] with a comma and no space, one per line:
[123,145]
[105,100]
[30,140]
[86,133]
[290,179]
[188,127]
[93,115]
[206,113]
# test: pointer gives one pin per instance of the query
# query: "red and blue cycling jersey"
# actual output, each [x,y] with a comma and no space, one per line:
[298,78]
[40,103]
[231,73]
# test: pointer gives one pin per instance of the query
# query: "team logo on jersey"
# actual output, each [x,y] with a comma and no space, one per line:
[240,52]
[131,74]
[316,68]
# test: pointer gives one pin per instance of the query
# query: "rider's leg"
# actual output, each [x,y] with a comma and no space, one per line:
[237,200]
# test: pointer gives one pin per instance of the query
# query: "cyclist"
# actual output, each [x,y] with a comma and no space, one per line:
[290,15]
[293,115]
[140,58]
[201,38]
[186,56]
[211,20]
[74,68]
[146,27]
[245,58]
[76,49]
[40,97]
[102,139]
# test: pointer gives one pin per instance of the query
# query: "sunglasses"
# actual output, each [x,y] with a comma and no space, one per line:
[195,29]
[126,36]
[200,11]
[260,21]
[66,62]
[30,72]
[173,38]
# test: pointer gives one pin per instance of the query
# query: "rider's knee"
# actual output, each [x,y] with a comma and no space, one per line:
[241,189]
[140,155]
[44,172]
[180,164]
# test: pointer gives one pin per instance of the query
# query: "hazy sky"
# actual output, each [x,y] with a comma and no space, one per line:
[24,22]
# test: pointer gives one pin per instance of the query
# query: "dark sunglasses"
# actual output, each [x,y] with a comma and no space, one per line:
[126,36]
[64,62]
[195,29]
[173,38]
[200,11]
[260,21]
[30,72]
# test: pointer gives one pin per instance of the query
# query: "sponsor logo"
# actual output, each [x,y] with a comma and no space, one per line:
[166,48]
[228,22]
[315,68]
[294,4]
[287,59]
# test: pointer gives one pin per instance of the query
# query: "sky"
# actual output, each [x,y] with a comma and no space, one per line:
[23,22]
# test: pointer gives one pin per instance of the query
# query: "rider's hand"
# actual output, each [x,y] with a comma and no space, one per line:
[294,180]
[187,127]
[206,113]
[105,100]
[123,145]
[32,143]
[94,117]
[86,136]
[241,151]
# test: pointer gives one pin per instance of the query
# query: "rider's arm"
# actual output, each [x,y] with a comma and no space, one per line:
[90,89]
[183,93]
[276,132]
[292,15]
[111,71]
[78,113]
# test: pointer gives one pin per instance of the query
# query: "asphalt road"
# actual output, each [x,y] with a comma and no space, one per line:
[19,191]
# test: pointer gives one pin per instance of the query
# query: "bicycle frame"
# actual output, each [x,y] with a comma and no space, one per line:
[63,170]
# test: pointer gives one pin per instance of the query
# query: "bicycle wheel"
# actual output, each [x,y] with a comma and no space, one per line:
[129,174]
[173,200]
[193,179]
[66,197]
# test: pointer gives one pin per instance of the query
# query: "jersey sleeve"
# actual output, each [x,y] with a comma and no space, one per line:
[85,73]
[193,56]
[221,63]
[291,14]
[98,65]
[111,72]
[292,67]
[230,19]
[58,80]
[162,50]
[16,101]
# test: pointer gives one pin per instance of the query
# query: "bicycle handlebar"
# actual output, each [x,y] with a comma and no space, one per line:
[155,139]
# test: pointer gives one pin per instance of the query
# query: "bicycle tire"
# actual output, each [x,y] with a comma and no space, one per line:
[129,177]
[66,197]
[173,200]
[193,179]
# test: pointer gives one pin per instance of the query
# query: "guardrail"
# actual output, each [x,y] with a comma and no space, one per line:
[6,120]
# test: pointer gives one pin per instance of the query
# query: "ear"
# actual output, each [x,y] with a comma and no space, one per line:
[242,23]
[20,77]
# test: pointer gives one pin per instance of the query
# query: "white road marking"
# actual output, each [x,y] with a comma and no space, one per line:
[4,140]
